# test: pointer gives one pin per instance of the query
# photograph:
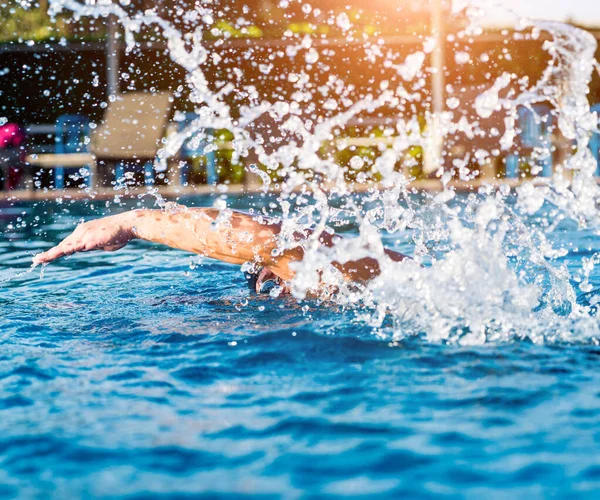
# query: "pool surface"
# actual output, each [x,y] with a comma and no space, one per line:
[145,372]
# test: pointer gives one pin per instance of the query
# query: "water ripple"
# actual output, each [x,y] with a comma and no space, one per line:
[133,373]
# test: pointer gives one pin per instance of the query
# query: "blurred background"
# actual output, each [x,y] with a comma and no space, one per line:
[58,65]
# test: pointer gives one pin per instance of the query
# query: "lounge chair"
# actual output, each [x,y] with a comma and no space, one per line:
[131,132]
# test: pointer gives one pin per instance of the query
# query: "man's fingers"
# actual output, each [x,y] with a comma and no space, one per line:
[86,238]
[54,253]
[49,256]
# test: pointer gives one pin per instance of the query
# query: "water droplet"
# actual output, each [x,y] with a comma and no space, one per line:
[462,57]
[343,21]
[311,57]
[452,102]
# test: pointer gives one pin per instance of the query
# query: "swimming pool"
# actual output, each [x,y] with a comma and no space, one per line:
[147,372]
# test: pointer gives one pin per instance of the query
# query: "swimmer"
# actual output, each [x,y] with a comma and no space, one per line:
[232,237]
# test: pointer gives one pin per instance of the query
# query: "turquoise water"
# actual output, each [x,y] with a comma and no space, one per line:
[138,375]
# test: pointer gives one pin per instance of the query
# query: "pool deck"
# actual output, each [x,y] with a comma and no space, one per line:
[169,192]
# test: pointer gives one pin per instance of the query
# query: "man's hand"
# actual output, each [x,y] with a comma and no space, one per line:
[108,234]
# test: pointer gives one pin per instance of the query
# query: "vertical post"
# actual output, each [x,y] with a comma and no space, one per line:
[437,57]
[434,152]
[595,147]
[112,57]
[60,135]
[211,159]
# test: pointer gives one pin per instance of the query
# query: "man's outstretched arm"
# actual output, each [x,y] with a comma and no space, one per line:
[232,237]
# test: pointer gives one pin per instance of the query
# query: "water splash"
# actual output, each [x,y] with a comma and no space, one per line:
[482,270]
[21,274]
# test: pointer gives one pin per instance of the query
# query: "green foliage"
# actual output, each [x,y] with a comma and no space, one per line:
[18,24]
[228,30]
[358,163]
[413,162]
[227,171]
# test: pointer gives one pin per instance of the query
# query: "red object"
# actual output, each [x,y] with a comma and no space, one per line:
[13,137]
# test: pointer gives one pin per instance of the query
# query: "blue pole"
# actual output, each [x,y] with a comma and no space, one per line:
[512,166]
[71,132]
[149,173]
[211,167]
[119,172]
[595,142]
[59,148]
[188,151]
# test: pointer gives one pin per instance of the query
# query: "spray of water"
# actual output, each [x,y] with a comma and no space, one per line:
[484,268]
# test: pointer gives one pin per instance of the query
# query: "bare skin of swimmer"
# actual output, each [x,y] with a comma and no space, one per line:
[242,238]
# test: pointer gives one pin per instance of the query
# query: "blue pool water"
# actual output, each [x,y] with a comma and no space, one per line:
[136,375]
